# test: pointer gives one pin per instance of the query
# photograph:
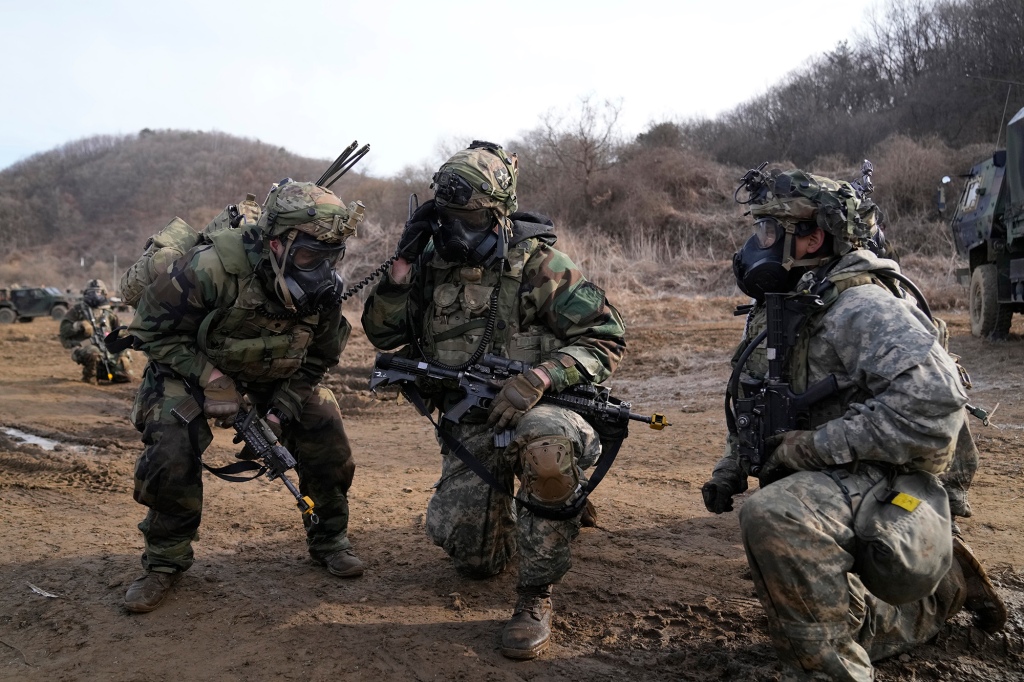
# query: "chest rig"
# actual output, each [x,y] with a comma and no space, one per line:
[798,362]
[251,340]
[473,310]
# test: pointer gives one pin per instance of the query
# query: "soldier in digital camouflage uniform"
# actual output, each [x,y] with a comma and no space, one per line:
[899,409]
[461,255]
[254,310]
[81,325]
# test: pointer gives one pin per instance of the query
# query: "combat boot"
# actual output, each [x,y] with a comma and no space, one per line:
[527,633]
[147,592]
[344,564]
[982,599]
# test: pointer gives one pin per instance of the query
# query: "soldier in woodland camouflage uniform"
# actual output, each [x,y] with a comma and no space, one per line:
[898,410]
[466,260]
[79,327]
[255,310]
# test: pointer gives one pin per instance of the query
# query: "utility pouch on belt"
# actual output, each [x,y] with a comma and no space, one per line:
[904,541]
[187,411]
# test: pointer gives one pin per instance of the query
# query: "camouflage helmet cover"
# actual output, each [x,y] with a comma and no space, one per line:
[309,208]
[96,285]
[481,176]
[833,205]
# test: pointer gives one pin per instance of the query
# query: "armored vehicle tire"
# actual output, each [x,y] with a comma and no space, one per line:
[58,312]
[987,315]
[7,316]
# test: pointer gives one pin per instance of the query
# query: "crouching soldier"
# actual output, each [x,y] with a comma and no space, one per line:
[471,278]
[251,310]
[82,330]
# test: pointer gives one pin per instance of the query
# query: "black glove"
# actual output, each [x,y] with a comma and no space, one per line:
[417,232]
[717,494]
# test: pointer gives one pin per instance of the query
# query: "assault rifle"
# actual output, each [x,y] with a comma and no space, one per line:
[97,339]
[274,457]
[771,407]
[481,383]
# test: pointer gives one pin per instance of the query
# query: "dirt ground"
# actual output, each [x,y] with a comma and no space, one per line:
[658,591]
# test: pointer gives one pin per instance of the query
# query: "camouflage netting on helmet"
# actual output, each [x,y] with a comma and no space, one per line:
[834,205]
[489,171]
[311,209]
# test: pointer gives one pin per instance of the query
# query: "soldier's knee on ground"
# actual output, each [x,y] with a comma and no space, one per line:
[550,475]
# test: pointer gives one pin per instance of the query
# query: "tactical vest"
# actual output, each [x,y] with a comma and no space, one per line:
[243,340]
[756,367]
[458,306]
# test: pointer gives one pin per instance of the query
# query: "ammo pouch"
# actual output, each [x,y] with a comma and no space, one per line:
[905,545]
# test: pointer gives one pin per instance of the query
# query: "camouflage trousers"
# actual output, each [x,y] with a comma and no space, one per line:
[90,358]
[800,544]
[483,529]
[168,473]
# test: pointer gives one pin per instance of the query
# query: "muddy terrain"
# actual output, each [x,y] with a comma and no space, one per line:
[658,591]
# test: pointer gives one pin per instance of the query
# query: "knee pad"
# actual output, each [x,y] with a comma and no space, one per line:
[550,475]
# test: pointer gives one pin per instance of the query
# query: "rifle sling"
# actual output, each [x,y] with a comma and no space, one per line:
[226,473]
[563,513]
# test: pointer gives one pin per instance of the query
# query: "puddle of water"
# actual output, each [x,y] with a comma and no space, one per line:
[45,443]
[31,439]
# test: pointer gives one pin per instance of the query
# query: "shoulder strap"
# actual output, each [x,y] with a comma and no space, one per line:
[231,250]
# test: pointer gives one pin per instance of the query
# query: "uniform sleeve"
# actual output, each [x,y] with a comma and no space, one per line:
[388,309]
[556,294]
[915,411]
[173,307]
[69,337]
[329,339]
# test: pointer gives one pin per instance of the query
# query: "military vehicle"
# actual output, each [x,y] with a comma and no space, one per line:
[988,228]
[25,303]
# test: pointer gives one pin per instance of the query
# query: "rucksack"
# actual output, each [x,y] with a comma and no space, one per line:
[175,240]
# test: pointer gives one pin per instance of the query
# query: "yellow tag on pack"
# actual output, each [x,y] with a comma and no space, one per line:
[905,501]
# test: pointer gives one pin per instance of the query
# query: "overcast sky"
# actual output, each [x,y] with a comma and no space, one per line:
[406,77]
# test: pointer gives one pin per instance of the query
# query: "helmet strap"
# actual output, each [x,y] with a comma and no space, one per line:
[278,268]
[789,260]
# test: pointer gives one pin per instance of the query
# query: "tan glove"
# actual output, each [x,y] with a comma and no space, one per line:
[518,395]
[85,327]
[222,398]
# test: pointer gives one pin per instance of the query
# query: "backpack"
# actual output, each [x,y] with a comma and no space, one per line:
[175,240]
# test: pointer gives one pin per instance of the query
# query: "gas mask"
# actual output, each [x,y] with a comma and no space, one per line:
[469,237]
[305,277]
[95,298]
[765,263]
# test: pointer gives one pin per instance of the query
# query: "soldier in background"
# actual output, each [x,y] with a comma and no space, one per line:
[252,310]
[83,329]
[835,602]
[474,277]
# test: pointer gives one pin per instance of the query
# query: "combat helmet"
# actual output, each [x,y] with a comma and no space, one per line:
[482,176]
[95,293]
[312,224]
[311,209]
[475,193]
[801,200]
